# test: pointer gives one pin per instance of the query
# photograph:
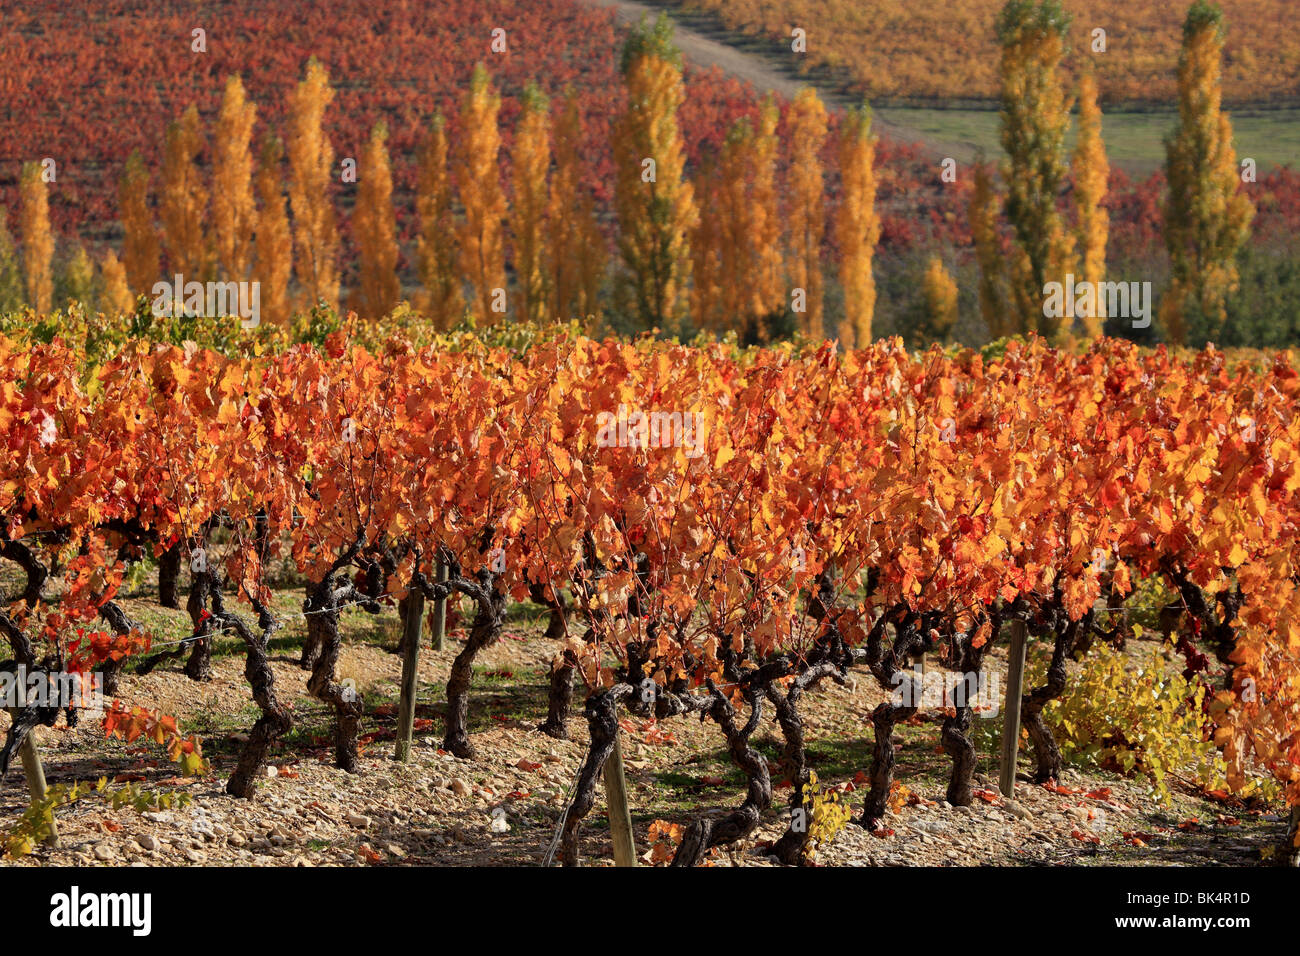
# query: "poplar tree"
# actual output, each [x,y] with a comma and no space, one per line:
[234,211]
[706,254]
[184,200]
[1035,119]
[857,227]
[806,216]
[437,258]
[274,240]
[1090,172]
[374,230]
[1207,217]
[984,206]
[768,287]
[311,162]
[115,295]
[38,239]
[575,248]
[737,232]
[939,295]
[654,201]
[530,163]
[11,276]
[478,181]
[79,278]
[140,246]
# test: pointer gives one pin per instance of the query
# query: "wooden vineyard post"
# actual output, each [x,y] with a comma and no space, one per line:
[439,606]
[35,774]
[620,817]
[1011,708]
[412,624]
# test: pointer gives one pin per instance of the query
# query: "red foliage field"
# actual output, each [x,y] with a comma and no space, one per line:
[87,81]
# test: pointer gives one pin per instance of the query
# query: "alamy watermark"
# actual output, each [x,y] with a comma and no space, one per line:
[937,688]
[61,689]
[209,300]
[633,428]
[1089,300]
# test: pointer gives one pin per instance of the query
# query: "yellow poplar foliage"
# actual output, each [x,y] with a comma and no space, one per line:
[234,212]
[37,239]
[274,240]
[1035,118]
[857,227]
[374,230]
[654,202]
[184,205]
[140,247]
[768,288]
[736,247]
[1091,171]
[741,230]
[706,256]
[115,297]
[311,160]
[940,295]
[531,161]
[806,217]
[984,205]
[478,180]
[576,247]
[436,256]
[79,278]
[1207,217]
[11,277]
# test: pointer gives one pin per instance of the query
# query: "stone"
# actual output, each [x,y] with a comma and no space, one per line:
[103,851]
[148,842]
[1016,809]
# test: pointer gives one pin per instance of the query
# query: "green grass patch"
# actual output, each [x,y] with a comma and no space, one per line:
[1270,137]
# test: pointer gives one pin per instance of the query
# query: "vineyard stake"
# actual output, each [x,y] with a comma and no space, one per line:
[36,779]
[412,622]
[620,817]
[1011,708]
[439,605]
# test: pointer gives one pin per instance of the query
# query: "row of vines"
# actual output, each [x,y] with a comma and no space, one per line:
[716,530]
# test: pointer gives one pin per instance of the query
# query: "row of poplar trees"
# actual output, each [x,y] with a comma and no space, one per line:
[1206,214]
[730,247]
[737,245]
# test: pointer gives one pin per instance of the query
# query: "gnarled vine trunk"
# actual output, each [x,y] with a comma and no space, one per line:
[169,573]
[883,720]
[1047,754]
[322,612]
[706,832]
[489,618]
[275,720]
[601,711]
[955,735]
[792,848]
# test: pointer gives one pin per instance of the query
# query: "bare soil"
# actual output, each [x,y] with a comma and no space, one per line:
[440,810]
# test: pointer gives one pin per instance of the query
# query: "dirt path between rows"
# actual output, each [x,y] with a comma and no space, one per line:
[766,73]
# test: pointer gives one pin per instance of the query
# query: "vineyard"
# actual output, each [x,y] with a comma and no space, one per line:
[896,51]
[583,434]
[714,535]
[114,78]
